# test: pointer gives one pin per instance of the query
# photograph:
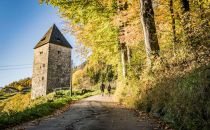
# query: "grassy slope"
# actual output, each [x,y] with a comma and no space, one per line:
[20,108]
[177,91]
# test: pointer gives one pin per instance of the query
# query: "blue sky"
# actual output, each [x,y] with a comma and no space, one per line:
[22,24]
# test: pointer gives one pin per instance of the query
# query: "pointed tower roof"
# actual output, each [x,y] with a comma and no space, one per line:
[53,36]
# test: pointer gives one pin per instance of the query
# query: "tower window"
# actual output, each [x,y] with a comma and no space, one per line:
[58,39]
[42,78]
[43,65]
[41,52]
[59,52]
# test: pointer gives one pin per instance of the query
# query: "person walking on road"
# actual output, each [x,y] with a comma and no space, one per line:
[109,89]
[102,87]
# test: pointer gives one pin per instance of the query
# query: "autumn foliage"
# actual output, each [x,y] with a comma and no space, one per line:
[167,76]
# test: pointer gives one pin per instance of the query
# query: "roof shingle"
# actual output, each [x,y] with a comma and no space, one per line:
[53,36]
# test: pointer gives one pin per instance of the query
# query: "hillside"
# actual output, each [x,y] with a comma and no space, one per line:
[20,86]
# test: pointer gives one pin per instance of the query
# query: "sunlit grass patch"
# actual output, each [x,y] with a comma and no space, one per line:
[20,108]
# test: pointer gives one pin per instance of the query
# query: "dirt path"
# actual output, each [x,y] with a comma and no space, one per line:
[93,113]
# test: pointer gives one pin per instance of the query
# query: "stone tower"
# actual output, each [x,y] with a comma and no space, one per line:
[52,63]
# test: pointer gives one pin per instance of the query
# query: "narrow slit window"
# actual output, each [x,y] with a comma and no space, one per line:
[42,78]
[41,52]
[59,52]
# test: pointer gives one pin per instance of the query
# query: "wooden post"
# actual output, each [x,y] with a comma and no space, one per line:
[71,73]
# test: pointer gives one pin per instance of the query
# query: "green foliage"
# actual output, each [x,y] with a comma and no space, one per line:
[93,74]
[110,74]
[103,73]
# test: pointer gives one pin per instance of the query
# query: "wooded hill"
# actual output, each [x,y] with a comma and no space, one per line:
[23,85]
[158,50]
[89,77]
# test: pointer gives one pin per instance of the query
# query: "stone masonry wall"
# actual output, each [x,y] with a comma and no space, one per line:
[59,65]
[39,77]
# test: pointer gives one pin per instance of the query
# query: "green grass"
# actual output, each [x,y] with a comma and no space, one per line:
[40,107]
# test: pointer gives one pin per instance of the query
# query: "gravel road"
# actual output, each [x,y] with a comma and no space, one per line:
[93,113]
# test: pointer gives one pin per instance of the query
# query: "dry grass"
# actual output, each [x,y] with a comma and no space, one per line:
[177,90]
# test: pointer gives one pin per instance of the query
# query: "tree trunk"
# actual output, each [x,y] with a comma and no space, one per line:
[173,23]
[185,20]
[123,59]
[123,53]
[185,5]
[149,28]
[122,45]
[128,55]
